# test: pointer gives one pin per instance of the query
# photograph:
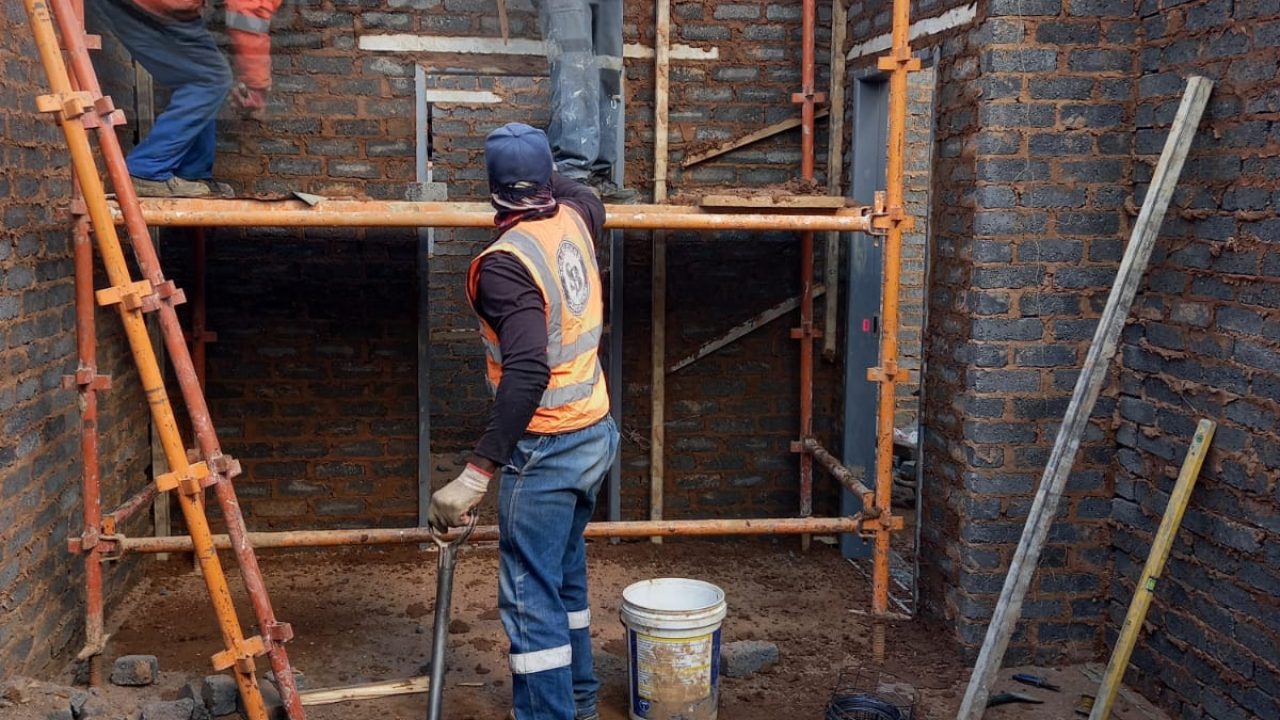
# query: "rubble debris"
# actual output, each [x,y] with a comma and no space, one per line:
[135,670]
[747,657]
[88,705]
[184,709]
[270,698]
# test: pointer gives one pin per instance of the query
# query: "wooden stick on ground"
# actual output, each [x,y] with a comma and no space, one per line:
[365,691]
[1045,507]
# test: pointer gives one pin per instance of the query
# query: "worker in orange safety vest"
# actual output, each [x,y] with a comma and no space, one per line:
[549,439]
[169,38]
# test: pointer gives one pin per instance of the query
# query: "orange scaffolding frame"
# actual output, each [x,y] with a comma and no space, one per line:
[78,105]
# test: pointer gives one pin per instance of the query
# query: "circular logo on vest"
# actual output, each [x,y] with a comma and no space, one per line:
[573,276]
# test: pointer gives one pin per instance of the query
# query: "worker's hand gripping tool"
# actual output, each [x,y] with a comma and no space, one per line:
[446,560]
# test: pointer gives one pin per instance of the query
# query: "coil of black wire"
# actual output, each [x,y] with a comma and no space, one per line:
[861,706]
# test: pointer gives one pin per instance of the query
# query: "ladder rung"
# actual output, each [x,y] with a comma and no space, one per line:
[243,654]
[131,295]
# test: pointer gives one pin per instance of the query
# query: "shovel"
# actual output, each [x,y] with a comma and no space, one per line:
[445,562]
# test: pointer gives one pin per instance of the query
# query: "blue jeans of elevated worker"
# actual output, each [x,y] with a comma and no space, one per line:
[182,56]
[548,494]
[584,48]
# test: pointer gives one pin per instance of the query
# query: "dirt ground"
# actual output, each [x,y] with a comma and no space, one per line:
[365,615]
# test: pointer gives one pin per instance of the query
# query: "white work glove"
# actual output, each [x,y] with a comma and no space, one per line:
[451,504]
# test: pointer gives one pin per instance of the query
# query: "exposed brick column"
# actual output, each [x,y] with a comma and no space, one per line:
[1044,164]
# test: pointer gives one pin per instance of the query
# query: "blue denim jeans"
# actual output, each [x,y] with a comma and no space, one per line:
[584,49]
[180,55]
[547,495]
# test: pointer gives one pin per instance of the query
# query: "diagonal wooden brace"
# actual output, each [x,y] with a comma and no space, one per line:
[240,656]
[132,295]
[189,483]
[68,106]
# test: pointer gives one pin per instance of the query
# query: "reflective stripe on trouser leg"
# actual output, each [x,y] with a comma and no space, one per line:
[541,660]
[579,619]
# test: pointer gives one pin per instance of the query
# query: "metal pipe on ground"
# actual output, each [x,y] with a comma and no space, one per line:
[417,536]
[378,213]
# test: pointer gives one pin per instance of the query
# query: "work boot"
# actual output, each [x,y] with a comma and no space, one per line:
[592,716]
[220,189]
[174,187]
[609,192]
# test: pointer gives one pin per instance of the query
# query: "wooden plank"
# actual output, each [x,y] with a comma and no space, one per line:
[662,78]
[794,202]
[1145,590]
[1105,340]
[835,174]
[755,136]
[658,354]
[658,389]
[742,330]
[365,691]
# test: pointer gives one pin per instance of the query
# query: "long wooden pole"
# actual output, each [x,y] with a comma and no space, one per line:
[658,290]
[1146,588]
[835,173]
[1105,339]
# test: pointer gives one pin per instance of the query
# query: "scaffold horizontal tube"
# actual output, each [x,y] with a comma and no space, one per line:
[378,213]
[416,535]
[848,477]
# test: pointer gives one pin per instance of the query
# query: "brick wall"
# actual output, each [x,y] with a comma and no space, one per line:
[40,583]
[918,182]
[313,378]
[1206,344]
[1034,141]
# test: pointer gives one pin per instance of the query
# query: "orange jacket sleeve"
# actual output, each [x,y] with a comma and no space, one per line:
[249,25]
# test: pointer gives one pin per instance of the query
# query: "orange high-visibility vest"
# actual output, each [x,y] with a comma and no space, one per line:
[558,254]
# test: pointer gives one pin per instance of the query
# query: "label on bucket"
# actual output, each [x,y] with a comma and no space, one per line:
[676,677]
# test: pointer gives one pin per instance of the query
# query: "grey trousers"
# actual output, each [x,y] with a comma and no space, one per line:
[584,47]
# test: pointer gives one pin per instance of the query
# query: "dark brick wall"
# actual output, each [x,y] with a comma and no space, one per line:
[1206,344]
[40,583]
[1033,160]
[918,181]
[312,380]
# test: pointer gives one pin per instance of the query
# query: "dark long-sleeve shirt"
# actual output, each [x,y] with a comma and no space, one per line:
[510,302]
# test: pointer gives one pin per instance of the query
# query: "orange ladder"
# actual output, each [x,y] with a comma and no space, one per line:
[77,104]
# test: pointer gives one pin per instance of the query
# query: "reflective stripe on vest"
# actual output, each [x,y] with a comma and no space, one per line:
[565,394]
[248,23]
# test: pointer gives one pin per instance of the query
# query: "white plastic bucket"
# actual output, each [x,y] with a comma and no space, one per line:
[673,648]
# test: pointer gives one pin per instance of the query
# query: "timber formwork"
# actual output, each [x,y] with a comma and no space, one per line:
[78,105]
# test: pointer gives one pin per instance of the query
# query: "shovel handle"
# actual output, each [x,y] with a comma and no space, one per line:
[445,562]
